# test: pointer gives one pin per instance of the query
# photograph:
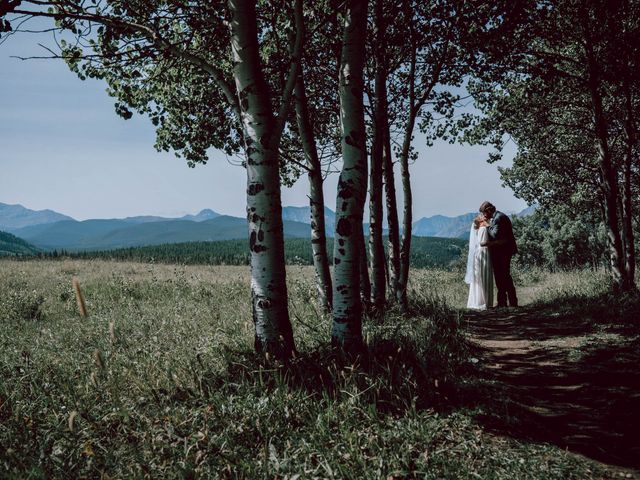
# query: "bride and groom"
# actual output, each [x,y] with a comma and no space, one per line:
[491,246]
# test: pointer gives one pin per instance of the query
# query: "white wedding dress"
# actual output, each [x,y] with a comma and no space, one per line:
[479,274]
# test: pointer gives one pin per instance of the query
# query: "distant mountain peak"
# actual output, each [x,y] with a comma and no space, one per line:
[453,227]
[442,226]
[13,217]
[201,216]
[303,214]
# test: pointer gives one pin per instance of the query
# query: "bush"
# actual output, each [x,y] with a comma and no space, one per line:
[21,305]
[559,240]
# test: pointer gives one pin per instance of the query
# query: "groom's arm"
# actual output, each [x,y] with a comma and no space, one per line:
[496,230]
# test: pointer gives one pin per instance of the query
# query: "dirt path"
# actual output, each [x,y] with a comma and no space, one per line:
[553,377]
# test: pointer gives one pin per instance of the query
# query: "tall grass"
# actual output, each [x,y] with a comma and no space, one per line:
[160,381]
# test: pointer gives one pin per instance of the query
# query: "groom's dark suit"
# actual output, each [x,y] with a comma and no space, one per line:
[501,232]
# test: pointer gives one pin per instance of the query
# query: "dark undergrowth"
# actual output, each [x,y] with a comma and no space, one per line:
[574,384]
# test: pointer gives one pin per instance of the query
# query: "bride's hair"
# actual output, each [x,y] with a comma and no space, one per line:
[487,207]
[477,221]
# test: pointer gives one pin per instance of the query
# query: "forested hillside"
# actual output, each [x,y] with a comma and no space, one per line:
[108,234]
[425,252]
[12,245]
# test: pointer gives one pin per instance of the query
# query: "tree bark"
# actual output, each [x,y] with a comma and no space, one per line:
[631,145]
[316,197]
[347,307]
[620,179]
[376,246]
[273,331]
[365,280]
[607,171]
[627,203]
[407,217]
[392,214]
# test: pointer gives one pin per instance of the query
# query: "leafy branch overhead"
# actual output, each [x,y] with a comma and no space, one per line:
[169,61]
[567,93]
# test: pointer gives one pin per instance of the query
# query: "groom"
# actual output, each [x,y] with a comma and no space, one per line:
[502,245]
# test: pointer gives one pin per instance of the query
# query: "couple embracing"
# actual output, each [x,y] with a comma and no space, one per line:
[491,246]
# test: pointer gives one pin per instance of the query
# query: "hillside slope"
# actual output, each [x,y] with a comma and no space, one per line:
[111,234]
[12,245]
[426,252]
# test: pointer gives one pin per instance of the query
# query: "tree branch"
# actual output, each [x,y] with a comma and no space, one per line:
[292,76]
[150,34]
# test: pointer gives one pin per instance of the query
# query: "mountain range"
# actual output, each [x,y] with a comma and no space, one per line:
[50,230]
[108,234]
[441,226]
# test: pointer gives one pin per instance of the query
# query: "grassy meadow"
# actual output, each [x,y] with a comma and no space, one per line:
[160,380]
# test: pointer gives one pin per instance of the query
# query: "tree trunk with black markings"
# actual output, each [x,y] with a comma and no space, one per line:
[365,280]
[393,242]
[316,197]
[273,331]
[407,217]
[347,307]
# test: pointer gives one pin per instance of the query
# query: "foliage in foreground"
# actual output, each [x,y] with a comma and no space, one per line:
[161,381]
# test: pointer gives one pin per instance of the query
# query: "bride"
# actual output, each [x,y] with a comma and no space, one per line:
[479,274]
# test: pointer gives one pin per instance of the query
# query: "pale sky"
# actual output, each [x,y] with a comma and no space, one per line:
[62,147]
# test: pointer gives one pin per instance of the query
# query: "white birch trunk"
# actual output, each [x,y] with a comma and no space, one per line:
[407,217]
[392,214]
[316,197]
[365,281]
[347,307]
[273,331]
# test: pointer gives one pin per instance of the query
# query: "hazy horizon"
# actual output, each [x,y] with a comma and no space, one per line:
[221,213]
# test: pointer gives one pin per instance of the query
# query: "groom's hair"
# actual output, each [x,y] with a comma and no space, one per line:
[487,207]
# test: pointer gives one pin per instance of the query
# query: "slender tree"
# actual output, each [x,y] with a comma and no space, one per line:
[393,242]
[316,197]
[379,133]
[432,65]
[316,121]
[627,35]
[347,307]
